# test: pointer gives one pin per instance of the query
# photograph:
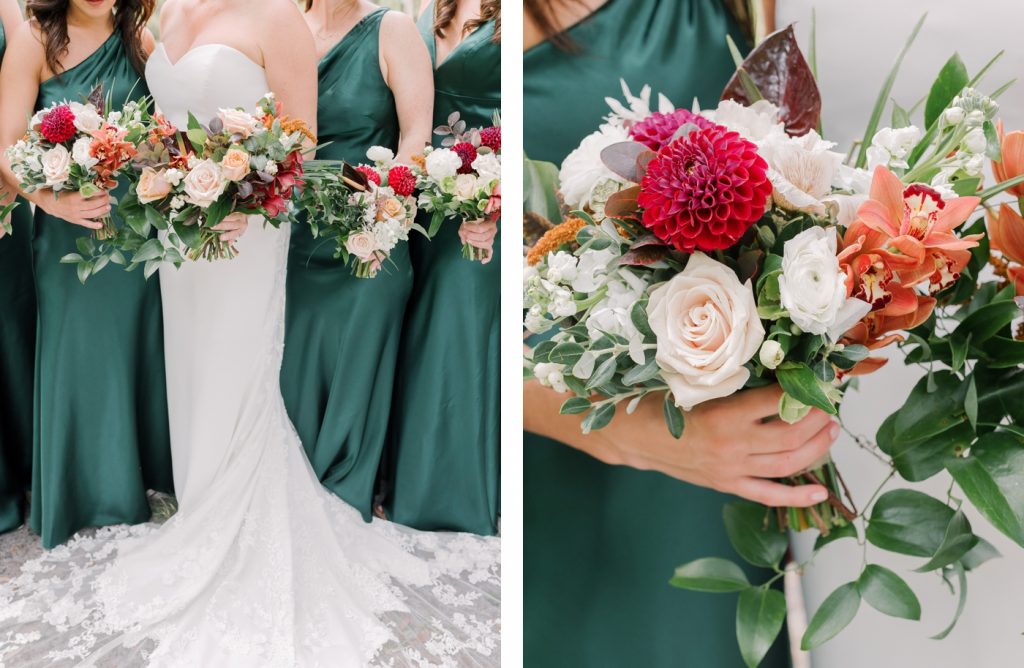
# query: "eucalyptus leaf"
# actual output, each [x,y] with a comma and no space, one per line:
[598,418]
[673,416]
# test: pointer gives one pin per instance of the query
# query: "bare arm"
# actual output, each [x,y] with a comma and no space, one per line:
[725,445]
[10,16]
[405,63]
[289,56]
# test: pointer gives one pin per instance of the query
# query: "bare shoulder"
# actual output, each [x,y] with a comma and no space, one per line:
[25,47]
[148,40]
[270,12]
[281,28]
[398,25]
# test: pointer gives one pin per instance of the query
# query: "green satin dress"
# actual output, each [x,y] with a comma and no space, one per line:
[342,332]
[600,541]
[101,435]
[17,350]
[444,425]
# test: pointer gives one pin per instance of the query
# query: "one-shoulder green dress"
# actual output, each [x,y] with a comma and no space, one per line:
[100,420]
[600,541]
[17,350]
[444,423]
[342,332]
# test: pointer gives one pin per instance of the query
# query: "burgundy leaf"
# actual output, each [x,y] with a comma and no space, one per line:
[622,157]
[643,256]
[647,240]
[750,264]
[781,74]
[623,204]
[96,97]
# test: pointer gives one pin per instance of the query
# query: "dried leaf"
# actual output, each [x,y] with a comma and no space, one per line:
[622,159]
[641,257]
[642,161]
[623,204]
[783,77]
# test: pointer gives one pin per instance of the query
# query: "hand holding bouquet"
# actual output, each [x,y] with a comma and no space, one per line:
[707,252]
[367,210]
[462,179]
[75,147]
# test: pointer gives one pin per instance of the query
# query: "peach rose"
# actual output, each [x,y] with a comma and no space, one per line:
[204,183]
[237,121]
[392,208]
[362,245]
[153,185]
[235,164]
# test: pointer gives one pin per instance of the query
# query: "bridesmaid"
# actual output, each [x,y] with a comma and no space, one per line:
[444,423]
[601,541]
[100,420]
[342,332]
[17,336]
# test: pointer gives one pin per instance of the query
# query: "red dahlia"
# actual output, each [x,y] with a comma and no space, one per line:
[58,126]
[704,190]
[491,138]
[401,180]
[657,129]
[370,173]
[467,152]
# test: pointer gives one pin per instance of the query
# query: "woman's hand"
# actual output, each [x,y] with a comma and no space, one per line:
[232,227]
[480,234]
[726,445]
[74,208]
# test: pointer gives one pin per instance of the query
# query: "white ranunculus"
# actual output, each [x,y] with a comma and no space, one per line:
[380,154]
[204,183]
[551,375]
[612,314]
[56,166]
[707,328]
[488,166]
[442,163]
[86,117]
[80,153]
[758,122]
[592,270]
[465,186]
[771,354]
[813,287]
[802,170]
[890,147]
[583,171]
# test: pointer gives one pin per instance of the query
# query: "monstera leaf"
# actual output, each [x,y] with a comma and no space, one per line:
[782,76]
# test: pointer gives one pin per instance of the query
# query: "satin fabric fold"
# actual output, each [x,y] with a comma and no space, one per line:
[444,444]
[601,542]
[100,417]
[342,333]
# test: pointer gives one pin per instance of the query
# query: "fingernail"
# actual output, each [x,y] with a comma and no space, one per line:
[833,431]
[819,496]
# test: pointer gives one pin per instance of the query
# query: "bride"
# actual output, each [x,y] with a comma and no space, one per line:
[260,566]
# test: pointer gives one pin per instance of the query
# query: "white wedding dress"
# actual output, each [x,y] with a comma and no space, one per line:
[261,566]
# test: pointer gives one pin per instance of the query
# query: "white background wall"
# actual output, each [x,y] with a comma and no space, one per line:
[857,43]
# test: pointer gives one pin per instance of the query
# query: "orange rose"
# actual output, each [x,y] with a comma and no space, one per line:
[392,208]
[235,164]
[153,185]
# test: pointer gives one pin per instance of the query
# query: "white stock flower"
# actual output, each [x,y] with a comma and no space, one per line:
[442,163]
[802,170]
[583,171]
[56,164]
[561,267]
[592,270]
[551,375]
[953,116]
[852,184]
[174,176]
[813,286]
[81,155]
[381,155]
[974,141]
[707,329]
[86,117]
[890,147]
[612,314]
[758,122]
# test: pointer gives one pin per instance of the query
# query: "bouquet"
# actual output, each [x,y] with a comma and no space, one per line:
[462,179]
[367,209]
[79,147]
[696,253]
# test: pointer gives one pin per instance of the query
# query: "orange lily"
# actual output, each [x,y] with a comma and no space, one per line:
[1012,164]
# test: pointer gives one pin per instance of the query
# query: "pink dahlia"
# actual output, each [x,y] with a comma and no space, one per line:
[58,126]
[704,190]
[401,180]
[657,129]
[467,152]
[371,174]
[491,138]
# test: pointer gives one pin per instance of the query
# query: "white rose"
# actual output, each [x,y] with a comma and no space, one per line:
[442,163]
[362,245]
[758,122]
[80,153]
[802,170]
[583,171]
[204,183]
[56,165]
[86,117]
[380,154]
[551,375]
[707,328]
[813,287]
[771,354]
[465,186]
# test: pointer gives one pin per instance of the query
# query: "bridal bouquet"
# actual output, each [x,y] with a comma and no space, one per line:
[703,252]
[368,210]
[79,147]
[462,179]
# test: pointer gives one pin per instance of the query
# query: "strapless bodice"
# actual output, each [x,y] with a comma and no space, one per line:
[206,79]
